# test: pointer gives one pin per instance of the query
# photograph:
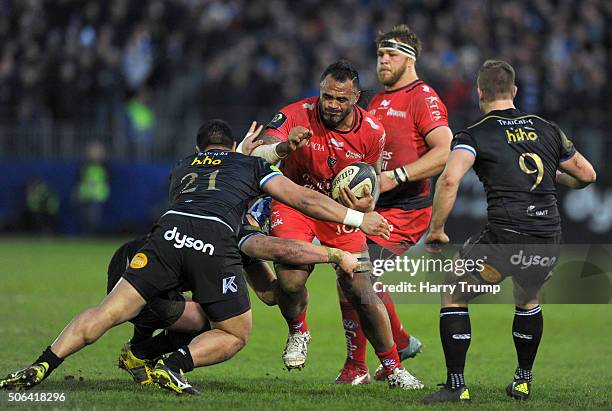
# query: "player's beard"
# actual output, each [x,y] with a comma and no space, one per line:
[333,120]
[389,77]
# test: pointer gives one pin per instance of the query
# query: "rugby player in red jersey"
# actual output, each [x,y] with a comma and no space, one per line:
[339,133]
[417,144]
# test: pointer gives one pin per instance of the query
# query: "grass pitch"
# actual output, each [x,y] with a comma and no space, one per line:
[44,283]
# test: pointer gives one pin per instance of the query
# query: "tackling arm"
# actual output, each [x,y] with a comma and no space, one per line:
[321,207]
[294,252]
[273,149]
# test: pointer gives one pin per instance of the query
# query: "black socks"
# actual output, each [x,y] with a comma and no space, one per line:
[180,360]
[162,343]
[527,332]
[50,358]
[455,334]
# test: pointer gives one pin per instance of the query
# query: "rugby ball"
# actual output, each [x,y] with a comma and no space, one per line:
[356,177]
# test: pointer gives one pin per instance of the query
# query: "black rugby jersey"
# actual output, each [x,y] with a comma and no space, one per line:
[219,184]
[517,156]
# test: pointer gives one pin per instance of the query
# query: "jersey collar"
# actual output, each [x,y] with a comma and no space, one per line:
[407,87]
[509,112]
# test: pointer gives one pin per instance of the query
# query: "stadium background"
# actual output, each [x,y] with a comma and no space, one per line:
[140,76]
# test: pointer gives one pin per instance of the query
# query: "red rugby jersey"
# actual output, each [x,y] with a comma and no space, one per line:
[408,114]
[328,151]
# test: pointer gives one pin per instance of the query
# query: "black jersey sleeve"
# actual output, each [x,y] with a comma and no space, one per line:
[247,231]
[566,147]
[264,172]
[463,140]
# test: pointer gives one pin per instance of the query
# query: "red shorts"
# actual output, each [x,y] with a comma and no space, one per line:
[406,226]
[285,222]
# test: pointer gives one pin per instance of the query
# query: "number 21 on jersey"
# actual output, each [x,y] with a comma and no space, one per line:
[190,178]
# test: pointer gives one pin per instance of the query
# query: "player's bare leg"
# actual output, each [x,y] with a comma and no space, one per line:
[355,370]
[122,304]
[291,292]
[223,341]
[375,322]
[192,320]
[262,280]
[217,345]
[408,346]
[292,299]
[139,357]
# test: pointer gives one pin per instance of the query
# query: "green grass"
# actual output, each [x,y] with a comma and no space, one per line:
[44,283]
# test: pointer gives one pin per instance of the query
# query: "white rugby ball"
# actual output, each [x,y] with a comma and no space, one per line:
[356,177]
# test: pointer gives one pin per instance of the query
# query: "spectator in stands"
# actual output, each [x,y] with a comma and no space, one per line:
[82,60]
[41,207]
[93,189]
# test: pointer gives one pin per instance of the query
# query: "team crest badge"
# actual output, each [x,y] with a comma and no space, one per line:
[331,162]
[277,121]
[139,261]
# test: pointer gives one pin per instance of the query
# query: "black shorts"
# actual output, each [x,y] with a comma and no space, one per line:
[121,261]
[528,259]
[161,312]
[189,253]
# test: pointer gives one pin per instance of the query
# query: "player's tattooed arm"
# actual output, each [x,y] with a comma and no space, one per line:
[459,162]
[296,252]
[430,164]
[269,139]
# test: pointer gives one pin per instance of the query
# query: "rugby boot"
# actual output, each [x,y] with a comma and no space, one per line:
[445,394]
[296,350]
[26,378]
[139,369]
[414,347]
[170,380]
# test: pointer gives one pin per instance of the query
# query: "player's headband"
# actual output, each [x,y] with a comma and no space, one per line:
[403,48]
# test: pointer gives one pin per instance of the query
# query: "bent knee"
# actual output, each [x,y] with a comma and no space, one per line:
[267,297]
[291,285]
[292,279]
[193,317]
[241,338]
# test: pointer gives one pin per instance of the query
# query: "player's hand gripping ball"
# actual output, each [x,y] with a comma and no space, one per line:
[357,177]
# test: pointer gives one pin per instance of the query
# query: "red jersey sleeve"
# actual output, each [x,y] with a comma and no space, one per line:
[376,140]
[429,111]
[282,123]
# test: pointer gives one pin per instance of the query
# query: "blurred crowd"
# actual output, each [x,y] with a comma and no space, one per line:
[74,60]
